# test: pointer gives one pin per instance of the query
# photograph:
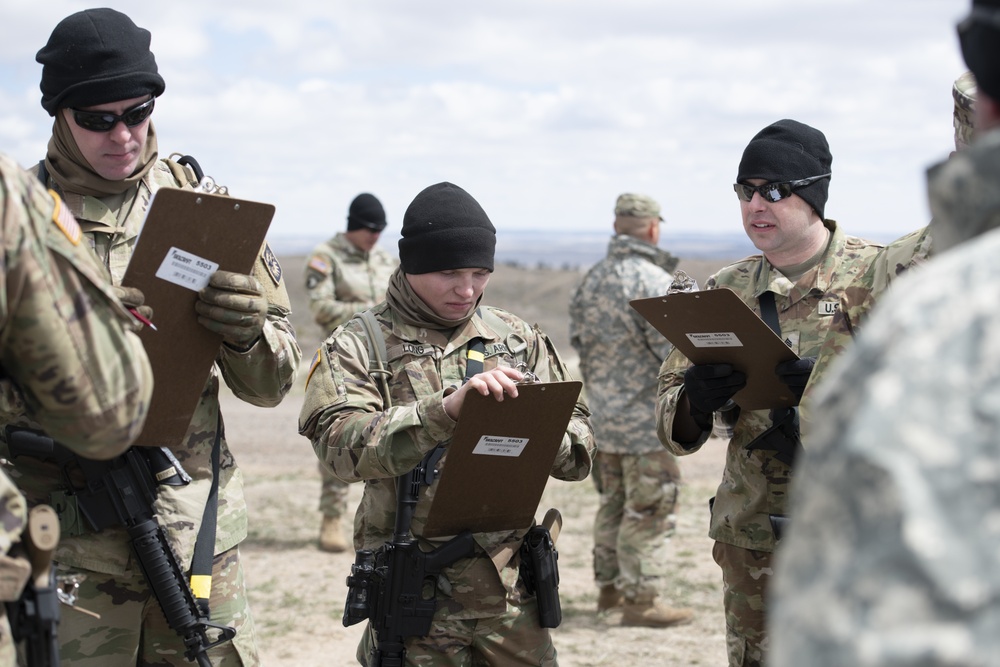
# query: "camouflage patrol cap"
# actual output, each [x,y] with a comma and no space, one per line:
[637,206]
[964,92]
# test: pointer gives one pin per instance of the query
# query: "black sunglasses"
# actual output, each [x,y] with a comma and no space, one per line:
[773,192]
[102,121]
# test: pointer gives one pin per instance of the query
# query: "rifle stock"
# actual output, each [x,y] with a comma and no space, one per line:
[34,617]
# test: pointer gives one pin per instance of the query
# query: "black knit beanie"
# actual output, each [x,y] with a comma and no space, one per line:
[366,212]
[95,57]
[979,35]
[787,151]
[445,228]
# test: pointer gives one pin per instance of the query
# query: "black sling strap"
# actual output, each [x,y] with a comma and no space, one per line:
[204,546]
[769,312]
[475,356]
[783,435]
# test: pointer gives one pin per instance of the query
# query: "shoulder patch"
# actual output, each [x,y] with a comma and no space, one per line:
[65,221]
[312,366]
[317,264]
[271,263]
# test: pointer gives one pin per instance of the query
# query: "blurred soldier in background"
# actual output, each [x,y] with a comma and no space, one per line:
[67,353]
[345,275]
[894,555]
[807,267]
[100,83]
[620,353]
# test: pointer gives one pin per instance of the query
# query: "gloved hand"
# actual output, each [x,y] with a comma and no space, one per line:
[133,299]
[233,305]
[709,387]
[796,373]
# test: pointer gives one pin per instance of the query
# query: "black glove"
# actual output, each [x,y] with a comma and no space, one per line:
[796,373]
[709,387]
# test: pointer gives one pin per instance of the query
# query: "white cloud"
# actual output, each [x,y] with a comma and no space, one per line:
[543,110]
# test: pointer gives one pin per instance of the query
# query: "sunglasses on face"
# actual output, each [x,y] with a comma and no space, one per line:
[774,192]
[102,121]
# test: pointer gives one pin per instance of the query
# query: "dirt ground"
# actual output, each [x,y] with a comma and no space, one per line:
[297,592]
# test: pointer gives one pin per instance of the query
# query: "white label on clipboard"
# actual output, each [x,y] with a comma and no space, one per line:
[716,339]
[499,445]
[185,269]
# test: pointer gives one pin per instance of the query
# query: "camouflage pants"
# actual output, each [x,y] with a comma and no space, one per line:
[133,631]
[635,520]
[332,494]
[746,575]
[513,638]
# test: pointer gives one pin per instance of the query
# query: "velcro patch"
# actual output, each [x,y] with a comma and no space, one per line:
[65,221]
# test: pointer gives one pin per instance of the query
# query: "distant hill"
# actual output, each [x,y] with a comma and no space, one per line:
[537,294]
[563,249]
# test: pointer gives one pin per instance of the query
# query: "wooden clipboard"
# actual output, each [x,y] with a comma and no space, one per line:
[716,327]
[499,459]
[186,237]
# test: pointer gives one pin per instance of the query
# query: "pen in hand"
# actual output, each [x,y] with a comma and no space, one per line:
[142,318]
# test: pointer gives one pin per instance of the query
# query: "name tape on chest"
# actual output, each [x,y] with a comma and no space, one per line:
[427,350]
[827,308]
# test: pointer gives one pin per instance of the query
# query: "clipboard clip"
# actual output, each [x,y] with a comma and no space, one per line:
[428,467]
[529,376]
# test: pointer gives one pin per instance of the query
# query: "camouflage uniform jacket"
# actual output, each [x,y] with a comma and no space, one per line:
[754,483]
[896,506]
[345,417]
[619,350]
[66,343]
[342,279]
[908,251]
[261,376]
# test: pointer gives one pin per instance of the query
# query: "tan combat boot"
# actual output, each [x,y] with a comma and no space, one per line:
[653,614]
[609,598]
[331,537]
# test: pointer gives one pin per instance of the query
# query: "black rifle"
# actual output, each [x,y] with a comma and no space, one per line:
[387,587]
[121,492]
[540,568]
[34,616]
[782,436]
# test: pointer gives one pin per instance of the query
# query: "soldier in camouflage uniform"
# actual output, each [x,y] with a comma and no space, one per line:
[619,354]
[908,251]
[807,270]
[894,555]
[431,320]
[99,81]
[68,355]
[345,275]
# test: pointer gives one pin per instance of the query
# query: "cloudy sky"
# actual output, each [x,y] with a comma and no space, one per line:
[544,110]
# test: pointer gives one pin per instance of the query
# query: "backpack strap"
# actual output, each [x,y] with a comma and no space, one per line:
[185,170]
[377,353]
